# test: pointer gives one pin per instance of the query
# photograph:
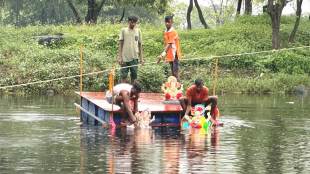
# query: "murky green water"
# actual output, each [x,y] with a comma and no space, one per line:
[262,134]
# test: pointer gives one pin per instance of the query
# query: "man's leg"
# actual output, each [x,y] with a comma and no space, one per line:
[126,107]
[171,68]
[134,70]
[175,68]
[119,100]
[124,73]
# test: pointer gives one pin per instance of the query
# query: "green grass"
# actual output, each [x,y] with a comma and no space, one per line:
[22,60]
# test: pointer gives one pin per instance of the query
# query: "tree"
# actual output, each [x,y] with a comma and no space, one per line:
[75,12]
[189,10]
[93,9]
[25,12]
[1,3]
[239,4]
[188,14]
[218,11]
[123,15]
[160,6]
[222,11]
[95,6]
[298,14]
[203,22]
[274,9]
[248,7]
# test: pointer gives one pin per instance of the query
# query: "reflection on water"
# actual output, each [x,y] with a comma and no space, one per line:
[261,134]
[161,150]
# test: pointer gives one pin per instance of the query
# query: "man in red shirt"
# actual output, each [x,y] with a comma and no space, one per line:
[198,94]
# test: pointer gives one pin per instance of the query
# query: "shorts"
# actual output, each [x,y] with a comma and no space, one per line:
[133,69]
[109,97]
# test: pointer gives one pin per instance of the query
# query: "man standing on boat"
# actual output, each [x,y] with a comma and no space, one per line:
[198,94]
[130,50]
[124,95]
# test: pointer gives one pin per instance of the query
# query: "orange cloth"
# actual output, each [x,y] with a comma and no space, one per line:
[172,37]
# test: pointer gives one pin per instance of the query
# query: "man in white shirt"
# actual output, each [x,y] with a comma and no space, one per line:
[123,94]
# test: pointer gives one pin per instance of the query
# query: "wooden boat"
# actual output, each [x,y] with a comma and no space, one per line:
[95,110]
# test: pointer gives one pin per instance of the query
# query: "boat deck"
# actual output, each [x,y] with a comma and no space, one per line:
[153,102]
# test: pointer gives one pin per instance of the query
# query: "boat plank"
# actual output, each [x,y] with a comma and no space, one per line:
[152,102]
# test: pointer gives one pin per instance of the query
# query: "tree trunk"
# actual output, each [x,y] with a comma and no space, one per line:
[75,12]
[93,11]
[276,33]
[98,9]
[17,12]
[248,7]
[91,4]
[239,7]
[218,14]
[202,19]
[188,15]
[298,14]
[275,10]
[43,16]
[1,3]
[123,15]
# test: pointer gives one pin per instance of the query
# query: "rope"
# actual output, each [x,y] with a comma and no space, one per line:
[151,63]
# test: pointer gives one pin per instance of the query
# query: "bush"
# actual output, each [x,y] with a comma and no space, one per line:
[23,60]
[151,77]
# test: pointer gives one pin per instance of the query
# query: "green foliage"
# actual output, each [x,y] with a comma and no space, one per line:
[42,12]
[151,77]
[262,84]
[290,63]
[23,60]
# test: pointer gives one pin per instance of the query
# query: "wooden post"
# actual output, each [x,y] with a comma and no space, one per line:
[81,69]
[111,85]
[215,75]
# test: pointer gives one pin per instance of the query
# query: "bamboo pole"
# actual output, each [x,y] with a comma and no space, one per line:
[81,69]
[111,85]
[215,75]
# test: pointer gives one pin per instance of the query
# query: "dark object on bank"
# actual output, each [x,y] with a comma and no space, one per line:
[301,90]
[49,40]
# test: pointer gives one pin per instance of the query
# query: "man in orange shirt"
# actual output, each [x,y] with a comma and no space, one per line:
[172,50]
[198,94]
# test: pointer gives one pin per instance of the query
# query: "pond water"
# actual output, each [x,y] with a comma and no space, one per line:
[261,134]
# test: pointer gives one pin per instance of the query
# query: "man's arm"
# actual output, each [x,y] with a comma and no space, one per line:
[120,52]
[141,53]
[135,105]
[189,105]
[163,54]
[140,48]
[126,99]
[135,102]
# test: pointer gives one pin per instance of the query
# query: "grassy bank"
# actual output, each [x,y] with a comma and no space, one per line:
[23,60]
